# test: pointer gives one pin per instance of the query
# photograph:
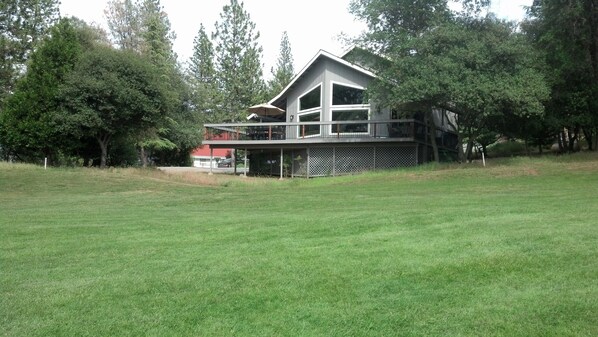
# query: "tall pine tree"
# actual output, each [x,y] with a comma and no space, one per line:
[202,76]
[23,24]
[284,71]
[238,62]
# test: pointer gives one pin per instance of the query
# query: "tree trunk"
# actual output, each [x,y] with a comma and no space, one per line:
[589,138]
[143,156]
[572,137]
[469,150]
[461,154]
[562,142]
[432,133]
[103,142]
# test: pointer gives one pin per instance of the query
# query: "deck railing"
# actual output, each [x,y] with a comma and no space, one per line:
[400,129]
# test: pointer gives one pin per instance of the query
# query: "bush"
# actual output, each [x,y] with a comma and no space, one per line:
[506,149]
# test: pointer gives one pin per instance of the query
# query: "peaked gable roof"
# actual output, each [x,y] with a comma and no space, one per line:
[321,54]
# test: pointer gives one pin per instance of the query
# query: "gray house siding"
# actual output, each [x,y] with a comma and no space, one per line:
[325,73]
[311,78]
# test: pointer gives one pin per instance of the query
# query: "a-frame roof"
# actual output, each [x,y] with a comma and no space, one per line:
[321,54]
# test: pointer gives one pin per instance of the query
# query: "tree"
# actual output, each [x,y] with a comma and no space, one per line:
[238,62]
[111,94]
[124,22]
[27,128]
[144,27]
[157,34]
[567,32]
[202,76]
[284,71]
[23,24]
[477,67]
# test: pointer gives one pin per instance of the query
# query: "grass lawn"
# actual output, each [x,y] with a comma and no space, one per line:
[507,250]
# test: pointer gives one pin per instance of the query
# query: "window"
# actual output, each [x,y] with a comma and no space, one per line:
[309,130]
[311,100]
[344,95]
[350,115]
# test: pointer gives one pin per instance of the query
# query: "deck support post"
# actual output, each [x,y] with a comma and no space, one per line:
[211,160]
[307,168]
[245,164]
[292,164]
[281,161]
[235,162]
[334,161]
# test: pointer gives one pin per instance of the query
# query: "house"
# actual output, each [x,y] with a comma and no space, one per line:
[204,156]
[329,127]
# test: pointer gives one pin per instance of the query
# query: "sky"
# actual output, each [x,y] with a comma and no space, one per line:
[309,30]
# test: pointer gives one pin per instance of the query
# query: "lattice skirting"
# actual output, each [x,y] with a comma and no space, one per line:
[330,161]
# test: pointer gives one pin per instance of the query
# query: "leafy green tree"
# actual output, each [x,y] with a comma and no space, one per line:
[477,67]
[238,62]
[23,24]
[567,32]
[284,71]
[144,27]
[27,128]
[111,94]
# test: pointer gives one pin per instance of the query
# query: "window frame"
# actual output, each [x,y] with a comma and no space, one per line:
[332,127]
[332,83]
[310,111]
[347,107]
[305,94]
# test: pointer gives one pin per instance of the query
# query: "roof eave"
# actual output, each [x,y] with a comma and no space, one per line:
[321,53]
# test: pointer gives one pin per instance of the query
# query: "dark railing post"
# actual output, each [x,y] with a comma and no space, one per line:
[375,129]
[269,132]
[338,131]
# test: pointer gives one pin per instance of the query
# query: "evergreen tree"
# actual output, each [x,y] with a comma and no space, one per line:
[27,128]
[145,28]
[157,34]
[238,62]
[202,76]
[284,71]
[23,24]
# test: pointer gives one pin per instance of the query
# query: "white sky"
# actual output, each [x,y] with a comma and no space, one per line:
[309,30]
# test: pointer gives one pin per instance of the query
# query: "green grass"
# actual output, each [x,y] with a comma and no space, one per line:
[439,250]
